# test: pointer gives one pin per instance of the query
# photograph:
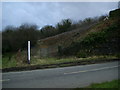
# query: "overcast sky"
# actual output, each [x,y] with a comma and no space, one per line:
[50,13]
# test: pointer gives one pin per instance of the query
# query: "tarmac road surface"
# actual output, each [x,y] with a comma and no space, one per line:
[66,77]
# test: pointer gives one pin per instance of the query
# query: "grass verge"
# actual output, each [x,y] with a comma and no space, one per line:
[14,65]
[110,84]
[114,84]
[71,59]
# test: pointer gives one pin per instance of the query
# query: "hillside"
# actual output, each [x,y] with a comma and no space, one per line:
[103,39]
[65,38]
[95,43]
[50,46]
[100,38]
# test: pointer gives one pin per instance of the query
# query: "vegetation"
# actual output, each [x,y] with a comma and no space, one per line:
[110,84]
[95,43]
[100,40]
[64,25]
[6,63]
[15,38]
[114,84]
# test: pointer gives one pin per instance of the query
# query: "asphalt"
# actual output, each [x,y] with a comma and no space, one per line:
[67,77]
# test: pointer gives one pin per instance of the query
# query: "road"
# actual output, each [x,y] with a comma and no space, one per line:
[67,77]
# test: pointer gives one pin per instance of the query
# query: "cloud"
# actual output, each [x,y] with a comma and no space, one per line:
[50,13]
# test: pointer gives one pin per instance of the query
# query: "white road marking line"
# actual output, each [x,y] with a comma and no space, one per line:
[92,70]
[4,80]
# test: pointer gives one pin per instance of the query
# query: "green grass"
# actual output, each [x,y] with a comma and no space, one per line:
[71,59]
[6,63]
[114,85]
[110,84]
[51,60]
[0,63]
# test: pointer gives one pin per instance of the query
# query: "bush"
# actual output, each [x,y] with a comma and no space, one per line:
[81,54]
[94,38]
[118,55]
[64,25]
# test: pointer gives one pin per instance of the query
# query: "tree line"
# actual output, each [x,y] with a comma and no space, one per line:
[15,38]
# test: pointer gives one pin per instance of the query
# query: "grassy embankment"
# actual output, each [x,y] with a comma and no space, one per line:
[6,63]
[93,40]
[107,38]
[103,39]
[100,42]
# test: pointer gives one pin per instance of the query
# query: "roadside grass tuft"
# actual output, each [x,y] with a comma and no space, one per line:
[6,63]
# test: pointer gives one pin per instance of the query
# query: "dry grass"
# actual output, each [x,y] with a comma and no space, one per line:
[71,59]
[6,63]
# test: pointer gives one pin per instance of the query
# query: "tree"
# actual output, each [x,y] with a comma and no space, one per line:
[28,32]
[48,31]
[64,25]
[16,38]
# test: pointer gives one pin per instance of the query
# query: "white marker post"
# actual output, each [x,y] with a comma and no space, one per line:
[28,52]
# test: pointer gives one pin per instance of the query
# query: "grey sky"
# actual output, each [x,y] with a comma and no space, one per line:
[50,13]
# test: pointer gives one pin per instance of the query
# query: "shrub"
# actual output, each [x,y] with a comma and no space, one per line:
[118,55]
[81,54]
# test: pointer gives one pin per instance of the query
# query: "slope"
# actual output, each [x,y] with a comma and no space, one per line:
[103,39]
[100,38]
